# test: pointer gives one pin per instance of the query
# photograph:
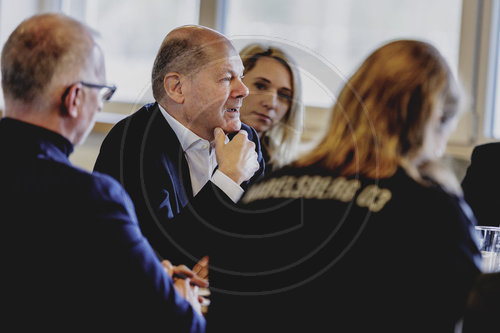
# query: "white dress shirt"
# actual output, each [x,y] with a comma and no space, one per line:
[201,160]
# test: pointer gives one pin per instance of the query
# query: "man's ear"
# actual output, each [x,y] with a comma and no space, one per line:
[72,99]
[172,83]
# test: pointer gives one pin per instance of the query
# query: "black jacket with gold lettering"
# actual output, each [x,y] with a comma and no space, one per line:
[309,250]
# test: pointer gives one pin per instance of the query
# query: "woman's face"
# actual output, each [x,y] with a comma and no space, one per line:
[270,96]
[437,134]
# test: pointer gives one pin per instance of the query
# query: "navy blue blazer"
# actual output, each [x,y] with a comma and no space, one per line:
[143,153]
[481,184]
[75,256]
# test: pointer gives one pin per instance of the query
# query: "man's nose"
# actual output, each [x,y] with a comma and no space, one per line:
[240,90]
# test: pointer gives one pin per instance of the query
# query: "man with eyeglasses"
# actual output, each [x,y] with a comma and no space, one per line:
[74,257]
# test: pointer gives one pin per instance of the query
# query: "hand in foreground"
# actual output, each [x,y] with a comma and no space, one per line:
[187,283]
[189,292]
[201,268]
[183,272]
[237,159]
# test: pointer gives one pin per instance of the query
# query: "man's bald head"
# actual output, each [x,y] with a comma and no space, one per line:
[185,50]
[41,48]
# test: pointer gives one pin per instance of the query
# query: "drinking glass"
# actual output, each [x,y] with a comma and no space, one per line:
[489,244]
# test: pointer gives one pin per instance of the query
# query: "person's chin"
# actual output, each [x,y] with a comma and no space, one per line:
[259,125]
[232,126]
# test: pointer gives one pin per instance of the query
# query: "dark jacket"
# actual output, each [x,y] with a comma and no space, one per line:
[320,252]
[74,256]
[143,153]
[480,184]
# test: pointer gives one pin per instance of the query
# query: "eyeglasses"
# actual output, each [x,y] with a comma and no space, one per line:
[106,92]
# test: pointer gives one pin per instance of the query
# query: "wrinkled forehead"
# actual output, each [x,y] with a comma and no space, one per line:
[222,56]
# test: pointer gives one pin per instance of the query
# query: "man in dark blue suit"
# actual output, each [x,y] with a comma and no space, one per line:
[481,184]
[74,257]
[187,157]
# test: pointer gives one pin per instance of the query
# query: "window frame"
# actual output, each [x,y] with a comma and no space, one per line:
[478,46]
[480,20]
[492,73]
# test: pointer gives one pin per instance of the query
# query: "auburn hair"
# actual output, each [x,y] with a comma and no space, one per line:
[381,115]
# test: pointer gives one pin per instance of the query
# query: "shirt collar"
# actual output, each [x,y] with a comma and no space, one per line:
[186,137]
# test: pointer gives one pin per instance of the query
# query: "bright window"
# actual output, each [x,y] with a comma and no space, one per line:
[11,14]
[495,69]
[132,32]
[339,34]
[496,108]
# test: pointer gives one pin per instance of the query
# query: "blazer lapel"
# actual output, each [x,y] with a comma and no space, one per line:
[174,158]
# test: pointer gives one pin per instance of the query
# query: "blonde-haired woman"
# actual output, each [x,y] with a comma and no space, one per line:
[274,105]
[367,232]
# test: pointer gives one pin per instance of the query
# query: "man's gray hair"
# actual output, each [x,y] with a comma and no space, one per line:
[176,55]
[38,48]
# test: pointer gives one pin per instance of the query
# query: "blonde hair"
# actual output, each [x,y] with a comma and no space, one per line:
[380,118]
[283,139]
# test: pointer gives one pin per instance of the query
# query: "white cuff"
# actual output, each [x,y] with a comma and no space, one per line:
[227,185]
